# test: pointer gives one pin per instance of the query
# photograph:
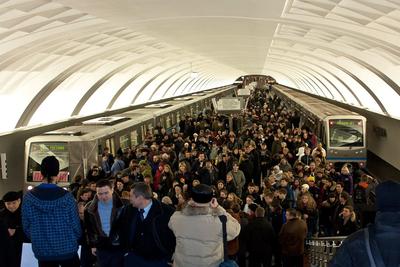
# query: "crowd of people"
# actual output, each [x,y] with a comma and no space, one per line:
[160,203]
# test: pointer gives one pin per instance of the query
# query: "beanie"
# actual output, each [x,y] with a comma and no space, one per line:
[387,196]
[202,193]
[49,167]
[11,196]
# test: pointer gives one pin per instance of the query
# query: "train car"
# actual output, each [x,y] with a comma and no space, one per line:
[342,132]
[80,147]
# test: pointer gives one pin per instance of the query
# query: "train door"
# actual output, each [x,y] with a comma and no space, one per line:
[134,138]
[143,129]
[167,122]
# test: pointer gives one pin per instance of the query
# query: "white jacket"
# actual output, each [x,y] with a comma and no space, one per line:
[198,232]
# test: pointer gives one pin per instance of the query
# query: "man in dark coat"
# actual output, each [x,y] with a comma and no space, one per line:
[145,235]
[291,237]
[11,234]
[101,223]
[260,240]
[382,248]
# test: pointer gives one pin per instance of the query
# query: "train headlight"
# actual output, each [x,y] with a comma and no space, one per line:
[30,187]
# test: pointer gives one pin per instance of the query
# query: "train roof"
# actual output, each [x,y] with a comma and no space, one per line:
[319,108]
[102,126]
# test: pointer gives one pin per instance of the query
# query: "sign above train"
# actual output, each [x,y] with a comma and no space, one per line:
[161,105]
[229,104]
[104,121]
[243,92]
[183,98]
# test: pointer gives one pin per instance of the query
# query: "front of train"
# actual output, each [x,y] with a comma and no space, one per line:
[346,141]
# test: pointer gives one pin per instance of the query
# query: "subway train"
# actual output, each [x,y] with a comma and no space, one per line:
[79,147]
[342,132]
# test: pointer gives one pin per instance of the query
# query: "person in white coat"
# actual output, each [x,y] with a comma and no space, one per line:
[198,230]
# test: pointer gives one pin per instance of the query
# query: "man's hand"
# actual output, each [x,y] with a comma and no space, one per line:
[11,232]
[94,250]
[214,203]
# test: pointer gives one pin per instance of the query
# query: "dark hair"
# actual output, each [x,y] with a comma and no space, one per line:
[345,195]
[292,212]
[227,204]
[49,167]
[260,212]
[282,191]
[103,183]
[142,189]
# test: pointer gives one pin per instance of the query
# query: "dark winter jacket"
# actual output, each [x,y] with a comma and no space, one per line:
[160,244]
[353,251]
[50,219]
[260,238]
[11,246]
[292,236]
[95,235]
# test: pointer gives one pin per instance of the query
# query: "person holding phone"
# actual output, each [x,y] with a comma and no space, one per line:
[198,230]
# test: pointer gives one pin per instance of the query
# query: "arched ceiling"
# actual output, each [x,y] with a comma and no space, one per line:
[70,58]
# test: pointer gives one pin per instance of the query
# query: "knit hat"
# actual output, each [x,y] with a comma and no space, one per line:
[49,167]
[202,194]
[11,196]
[387,196]
[311,178]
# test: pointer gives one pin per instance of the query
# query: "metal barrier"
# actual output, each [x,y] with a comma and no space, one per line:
[322,249]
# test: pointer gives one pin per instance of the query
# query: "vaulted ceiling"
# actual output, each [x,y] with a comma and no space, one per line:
[70,58]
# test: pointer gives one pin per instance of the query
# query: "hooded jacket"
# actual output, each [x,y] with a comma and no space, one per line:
[50,219]
[353,251]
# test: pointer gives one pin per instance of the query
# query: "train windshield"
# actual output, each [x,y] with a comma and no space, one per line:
[38,151]
[346,133]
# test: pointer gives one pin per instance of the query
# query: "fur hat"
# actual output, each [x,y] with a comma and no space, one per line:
[202,194]
[387,196]
[49,167]
[305,186]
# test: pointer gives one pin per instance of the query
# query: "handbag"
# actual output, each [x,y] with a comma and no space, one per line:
[227,262]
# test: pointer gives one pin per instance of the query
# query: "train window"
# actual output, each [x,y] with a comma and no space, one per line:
[38,151]
[134,138]
[124,141]
[346,132]
[111,145]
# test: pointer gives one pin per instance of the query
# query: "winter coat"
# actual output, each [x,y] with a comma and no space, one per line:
[198,232]
[11,246]
[260,238]
[292,236]
[345,229]
[240,180]
[353,251]
[161,243]
[95,235]
[50,220]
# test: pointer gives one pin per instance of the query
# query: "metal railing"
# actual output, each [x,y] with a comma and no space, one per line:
[321,250]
